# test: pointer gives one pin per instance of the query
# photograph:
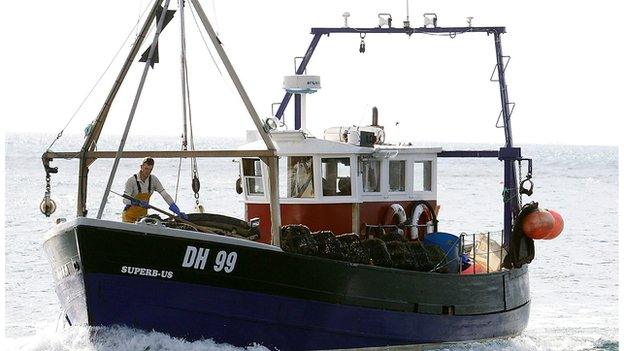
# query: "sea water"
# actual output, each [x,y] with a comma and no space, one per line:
[573,279]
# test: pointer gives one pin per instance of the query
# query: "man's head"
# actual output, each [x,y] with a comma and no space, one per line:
[146,167]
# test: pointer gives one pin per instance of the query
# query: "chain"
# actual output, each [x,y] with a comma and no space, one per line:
[47,205]
[47,187]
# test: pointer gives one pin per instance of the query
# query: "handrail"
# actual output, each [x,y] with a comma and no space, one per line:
[500,252]
[49,155]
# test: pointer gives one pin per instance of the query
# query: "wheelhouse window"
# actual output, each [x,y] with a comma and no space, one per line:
[252,175]
[422,176]
[371,171]
[300,177]
[336,174]
[283,177]
[396,175]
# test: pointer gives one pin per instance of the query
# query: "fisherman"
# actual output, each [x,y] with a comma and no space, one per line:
[141,186]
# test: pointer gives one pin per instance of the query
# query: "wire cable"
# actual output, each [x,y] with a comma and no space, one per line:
[99,79]
[204,40]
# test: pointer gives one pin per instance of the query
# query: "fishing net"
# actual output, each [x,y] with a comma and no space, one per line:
[393,234]
[353,249]
[328,245]
[438,258]
[297,238]
[378,252]
[398,253]
[401,255]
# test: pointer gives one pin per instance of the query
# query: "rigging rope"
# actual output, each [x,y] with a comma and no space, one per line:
[204,40]
[216,18]
[100,78]
[186,111]
[175,198]
[183,80]
[194,169]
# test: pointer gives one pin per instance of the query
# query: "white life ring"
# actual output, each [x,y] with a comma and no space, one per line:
[395,215]
[422,214]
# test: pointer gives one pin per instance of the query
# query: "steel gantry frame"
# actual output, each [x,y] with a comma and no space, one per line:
[88,153]
[508,154]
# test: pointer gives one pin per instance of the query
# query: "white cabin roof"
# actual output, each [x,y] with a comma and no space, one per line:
[293,143]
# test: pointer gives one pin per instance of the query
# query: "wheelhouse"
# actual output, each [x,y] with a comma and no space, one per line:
[339,186]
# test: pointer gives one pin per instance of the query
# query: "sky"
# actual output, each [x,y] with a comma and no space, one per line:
[563,75]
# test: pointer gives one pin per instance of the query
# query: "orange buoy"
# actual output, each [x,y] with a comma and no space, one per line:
[538,224]
[558,226]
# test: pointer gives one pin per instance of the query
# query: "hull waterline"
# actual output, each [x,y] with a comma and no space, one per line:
[144,277]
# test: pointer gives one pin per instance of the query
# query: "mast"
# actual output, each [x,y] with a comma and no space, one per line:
[233,76]
[509,154]
[92,138]
[148,62]
[271,162]
[183,74]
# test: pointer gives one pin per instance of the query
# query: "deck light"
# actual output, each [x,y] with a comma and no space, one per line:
[469,20]
[430,19]
[385,19]
[270,124]
[406,23]
[346,16]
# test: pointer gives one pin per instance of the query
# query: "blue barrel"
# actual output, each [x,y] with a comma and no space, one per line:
[449,243]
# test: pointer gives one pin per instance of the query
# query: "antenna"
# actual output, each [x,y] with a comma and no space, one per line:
[406,23]
[346,16]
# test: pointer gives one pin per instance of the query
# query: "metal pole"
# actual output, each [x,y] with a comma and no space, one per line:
[133,110]
[272,162]
[461,251]
[298,111]
[488,252]
[474,254]
[500,264]
[302,115]
[300,70]
[183,73]
[228,66]
[90,142]
[511,205]
[276,220]
[503,90]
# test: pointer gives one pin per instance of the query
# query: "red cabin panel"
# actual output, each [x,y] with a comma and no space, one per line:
[334,217]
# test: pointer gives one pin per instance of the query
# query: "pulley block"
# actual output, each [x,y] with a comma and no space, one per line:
[47,206]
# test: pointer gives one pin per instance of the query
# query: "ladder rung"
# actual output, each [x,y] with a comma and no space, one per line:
[513,105]
[492,79]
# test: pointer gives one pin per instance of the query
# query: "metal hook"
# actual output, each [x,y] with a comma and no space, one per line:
[362,44]
[524,190]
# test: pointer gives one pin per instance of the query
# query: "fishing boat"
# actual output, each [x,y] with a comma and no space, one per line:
[340,246]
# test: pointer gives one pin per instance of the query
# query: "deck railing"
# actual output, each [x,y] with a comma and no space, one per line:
[483,249]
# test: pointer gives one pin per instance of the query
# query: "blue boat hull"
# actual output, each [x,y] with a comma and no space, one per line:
[241,318]
[113,276]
